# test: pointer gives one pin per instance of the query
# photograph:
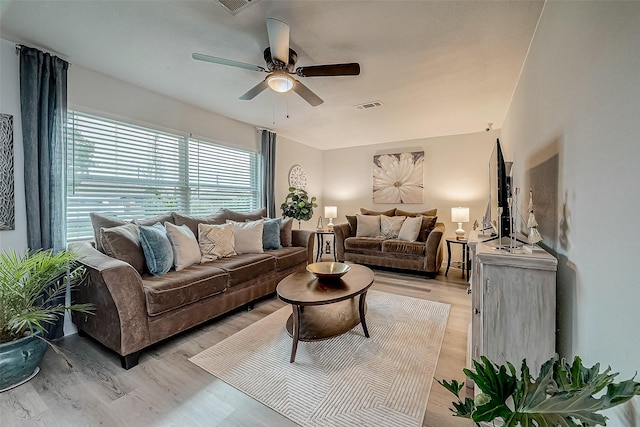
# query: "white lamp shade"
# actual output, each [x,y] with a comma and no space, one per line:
[330,211]
[280,83]
[459,214]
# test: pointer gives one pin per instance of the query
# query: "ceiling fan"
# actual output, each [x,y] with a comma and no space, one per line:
[281,61]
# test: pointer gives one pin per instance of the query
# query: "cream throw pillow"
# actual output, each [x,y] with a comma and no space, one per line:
[390,226]
[216,241]
[410,229]
[248,236]
[186,251]
[368,225]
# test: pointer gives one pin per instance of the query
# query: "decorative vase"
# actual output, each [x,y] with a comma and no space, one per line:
[20,360]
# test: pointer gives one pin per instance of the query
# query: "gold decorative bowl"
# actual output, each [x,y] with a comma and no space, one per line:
[328,270]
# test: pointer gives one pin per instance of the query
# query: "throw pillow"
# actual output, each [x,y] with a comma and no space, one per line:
[216,241]
[428,223]
[192,222]
[101,221]
[368,225]
[390,226]
[157,249]
[243,216]
[430,212]
[186,251]
[286,225]
[410,229]
[353,224]
[248,236]
[271,233]
[123,242]
[390,212]
[161,219]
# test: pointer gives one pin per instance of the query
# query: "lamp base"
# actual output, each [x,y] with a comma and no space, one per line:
[330,225]
[460,232]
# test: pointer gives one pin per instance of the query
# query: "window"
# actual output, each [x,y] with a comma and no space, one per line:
[130,172]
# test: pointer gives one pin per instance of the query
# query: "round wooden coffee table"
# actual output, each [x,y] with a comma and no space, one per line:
[322,308]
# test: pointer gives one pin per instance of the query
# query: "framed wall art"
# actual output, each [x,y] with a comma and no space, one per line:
[398,178]
[7,200]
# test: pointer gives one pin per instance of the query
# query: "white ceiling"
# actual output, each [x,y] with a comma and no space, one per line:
[438,67]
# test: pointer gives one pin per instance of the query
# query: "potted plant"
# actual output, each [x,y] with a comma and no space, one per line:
[298,205]
[561,395]
[30,287]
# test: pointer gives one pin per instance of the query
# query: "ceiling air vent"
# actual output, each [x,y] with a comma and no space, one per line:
[368,105]
[235,6]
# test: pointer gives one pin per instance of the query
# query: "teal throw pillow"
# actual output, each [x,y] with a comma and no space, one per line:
[271,233]
[157,249]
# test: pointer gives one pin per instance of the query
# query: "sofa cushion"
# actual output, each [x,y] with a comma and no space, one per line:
[353,224]
[403,247]
[123,242]
[244,267]
[248,236]
[368,225]
[390,226]
[410,229]
[158,253]
[285,232]
[390,212]
[243,216]
[168,217]
[186,251]
[430,212]
[99,221]
[177,289]
[193,221]
[363,243]
[288,257]
[216,241]
[428,223]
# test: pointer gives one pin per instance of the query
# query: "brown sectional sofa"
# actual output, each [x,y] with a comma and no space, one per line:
[423,255]
[135,310]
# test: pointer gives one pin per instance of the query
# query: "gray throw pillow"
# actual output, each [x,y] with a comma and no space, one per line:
[123,243]
[390,226]
[192,221]
[157,249]
[243,216]
[99,221]
[368,225]
[285,232]
[271,233]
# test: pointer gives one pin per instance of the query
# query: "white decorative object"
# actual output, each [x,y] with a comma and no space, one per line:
[460,215]
[297,177]
[330,212]
[534,236]
[398,178]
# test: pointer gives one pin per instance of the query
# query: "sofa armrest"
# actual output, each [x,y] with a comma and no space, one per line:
[433,251]
[115,289]
[341,232]
[305,239]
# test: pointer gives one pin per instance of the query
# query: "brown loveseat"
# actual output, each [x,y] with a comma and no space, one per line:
[135,310]
[424,254]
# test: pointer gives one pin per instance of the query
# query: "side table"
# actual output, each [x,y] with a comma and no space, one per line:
[465,256]
[320,238]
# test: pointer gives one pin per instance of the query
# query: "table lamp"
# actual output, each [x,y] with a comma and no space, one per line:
[460,215]
[330,212]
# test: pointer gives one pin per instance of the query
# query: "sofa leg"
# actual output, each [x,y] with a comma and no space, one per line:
[130,360]
[250,306]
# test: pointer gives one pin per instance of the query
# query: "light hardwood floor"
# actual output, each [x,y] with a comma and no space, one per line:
[165,389]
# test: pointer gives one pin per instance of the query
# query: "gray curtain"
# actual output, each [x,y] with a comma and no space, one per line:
[269,168]
[43,102]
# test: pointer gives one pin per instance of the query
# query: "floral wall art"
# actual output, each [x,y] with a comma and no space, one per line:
[398,178]
[7,211]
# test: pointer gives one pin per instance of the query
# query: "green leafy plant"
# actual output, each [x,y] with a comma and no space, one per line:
[297,205]
[29,286]
[561,395]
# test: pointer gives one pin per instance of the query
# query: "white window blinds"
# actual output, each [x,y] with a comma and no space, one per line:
[130,172]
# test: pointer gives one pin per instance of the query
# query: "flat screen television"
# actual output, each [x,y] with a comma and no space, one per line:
[499,192]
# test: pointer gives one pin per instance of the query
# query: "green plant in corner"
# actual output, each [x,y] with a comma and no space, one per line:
[297,205]
[561,395]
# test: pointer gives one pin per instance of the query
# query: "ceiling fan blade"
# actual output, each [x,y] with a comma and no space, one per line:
[255,91]
[352,69]
[307,94]
[278,32]
[222,61]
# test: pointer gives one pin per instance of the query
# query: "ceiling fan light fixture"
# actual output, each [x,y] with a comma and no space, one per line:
[280,83]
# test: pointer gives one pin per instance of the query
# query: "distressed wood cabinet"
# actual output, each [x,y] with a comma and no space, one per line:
[514,306]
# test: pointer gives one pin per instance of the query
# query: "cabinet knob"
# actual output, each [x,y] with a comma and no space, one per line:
[476,311]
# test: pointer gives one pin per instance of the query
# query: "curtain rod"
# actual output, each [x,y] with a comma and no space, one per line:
[20,46]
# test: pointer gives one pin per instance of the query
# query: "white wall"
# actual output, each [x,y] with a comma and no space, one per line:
[456,173]
[577,107]
[10,104]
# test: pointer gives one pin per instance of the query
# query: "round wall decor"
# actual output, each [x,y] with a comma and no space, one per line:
[297,177]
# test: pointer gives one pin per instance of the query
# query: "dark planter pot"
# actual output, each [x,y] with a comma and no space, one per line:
[20,360]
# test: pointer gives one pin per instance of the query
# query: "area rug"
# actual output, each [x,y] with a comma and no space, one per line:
[346,380]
